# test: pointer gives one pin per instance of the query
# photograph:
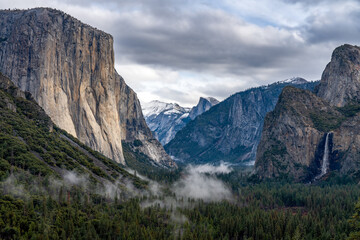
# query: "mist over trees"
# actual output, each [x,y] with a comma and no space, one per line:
[74,208]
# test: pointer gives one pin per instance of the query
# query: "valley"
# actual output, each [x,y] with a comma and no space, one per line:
[81,158]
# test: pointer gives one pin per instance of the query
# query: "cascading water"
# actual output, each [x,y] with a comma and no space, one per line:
[325,163]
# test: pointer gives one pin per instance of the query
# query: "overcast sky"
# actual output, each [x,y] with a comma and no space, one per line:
[179,50]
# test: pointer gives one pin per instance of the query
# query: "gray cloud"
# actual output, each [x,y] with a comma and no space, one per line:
[214,42]
[312,2]
[226,40]
[208,41]
[342,27]
[223,167]
[175,94]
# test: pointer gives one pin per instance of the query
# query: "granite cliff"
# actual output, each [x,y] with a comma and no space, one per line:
[340,81]
[68,67]
[231,130]
[293,142]
[203,105]
[31,145]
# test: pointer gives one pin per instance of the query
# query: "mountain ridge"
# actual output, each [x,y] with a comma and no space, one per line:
[231,130]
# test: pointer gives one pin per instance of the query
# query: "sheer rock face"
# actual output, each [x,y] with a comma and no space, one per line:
[340,82]
[289,139]
[293,139]
[68,67]
[345,155]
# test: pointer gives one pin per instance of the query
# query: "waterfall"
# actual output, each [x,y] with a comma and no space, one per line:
[325,162]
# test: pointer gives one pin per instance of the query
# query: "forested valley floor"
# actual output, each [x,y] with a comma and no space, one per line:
[255,211]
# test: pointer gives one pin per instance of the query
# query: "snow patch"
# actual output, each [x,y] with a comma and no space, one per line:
[294,80]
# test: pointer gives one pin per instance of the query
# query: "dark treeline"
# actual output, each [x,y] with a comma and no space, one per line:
[258,211]
[276,211]
[45,218]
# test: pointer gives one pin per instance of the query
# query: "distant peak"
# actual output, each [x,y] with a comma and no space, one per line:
[212,100]
[294,80]
[204,104]
[156,107]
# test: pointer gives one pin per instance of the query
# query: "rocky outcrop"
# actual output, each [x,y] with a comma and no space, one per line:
[231,130]
[203,105]
[290,138]
[9,87]
[293,141]
[340,81]
[68,67]
[25,102]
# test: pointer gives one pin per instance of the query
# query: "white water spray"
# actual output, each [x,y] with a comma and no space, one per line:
[325,163]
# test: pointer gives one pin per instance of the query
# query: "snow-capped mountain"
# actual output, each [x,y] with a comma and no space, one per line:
[294,80]
[166,119]
[156,107]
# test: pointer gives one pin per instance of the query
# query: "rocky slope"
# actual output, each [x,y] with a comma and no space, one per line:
[231,130]
[30,144]
[166,119]
[68,67]
[294,136]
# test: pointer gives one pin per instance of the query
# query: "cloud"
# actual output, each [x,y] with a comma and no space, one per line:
[72,178]
[213,42]
[209,41]
[197,185]
[12,186]
[212,169]
[15,185]
[235,44]
[338,24]
[198,182]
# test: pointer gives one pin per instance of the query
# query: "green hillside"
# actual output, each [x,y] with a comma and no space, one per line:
[29,142]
